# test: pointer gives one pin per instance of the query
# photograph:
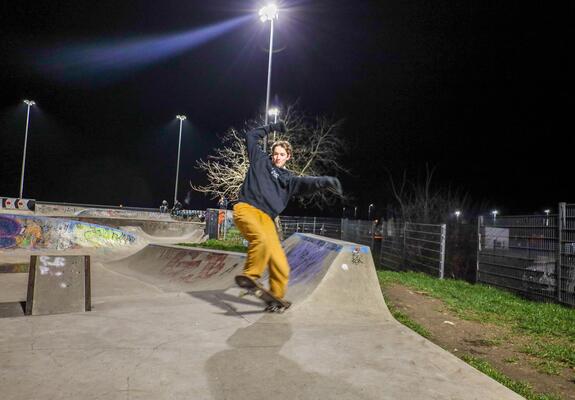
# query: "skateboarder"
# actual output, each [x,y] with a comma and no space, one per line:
[265,193]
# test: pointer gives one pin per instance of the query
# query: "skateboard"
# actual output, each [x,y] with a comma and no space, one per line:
[274,304]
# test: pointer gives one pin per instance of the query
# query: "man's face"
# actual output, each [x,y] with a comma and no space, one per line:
[280,156]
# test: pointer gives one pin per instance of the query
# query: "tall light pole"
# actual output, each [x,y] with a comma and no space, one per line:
[369,211]
[29,103]
[269,13]
[274,112]
[181,118]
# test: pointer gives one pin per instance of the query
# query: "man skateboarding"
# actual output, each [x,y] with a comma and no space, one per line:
[265,193]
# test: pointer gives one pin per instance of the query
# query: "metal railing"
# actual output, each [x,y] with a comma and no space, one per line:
[329,227]
[533,254]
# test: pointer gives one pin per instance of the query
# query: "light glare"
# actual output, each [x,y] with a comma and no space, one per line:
[268,12]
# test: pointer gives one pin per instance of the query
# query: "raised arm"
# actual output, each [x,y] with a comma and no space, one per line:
[253,137]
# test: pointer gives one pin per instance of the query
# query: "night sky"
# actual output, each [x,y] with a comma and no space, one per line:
[478,89]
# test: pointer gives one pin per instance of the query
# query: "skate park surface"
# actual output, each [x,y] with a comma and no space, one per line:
[167,322]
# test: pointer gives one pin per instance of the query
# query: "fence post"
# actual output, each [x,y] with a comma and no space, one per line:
[558,261]
[372,239]
[404,259]
[479,224]
[442,254]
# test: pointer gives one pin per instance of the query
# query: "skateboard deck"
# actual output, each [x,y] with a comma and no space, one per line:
[274,303]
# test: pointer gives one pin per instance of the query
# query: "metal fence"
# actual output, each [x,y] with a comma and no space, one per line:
[329,227]
[566,254]
[413,246]
[533,255]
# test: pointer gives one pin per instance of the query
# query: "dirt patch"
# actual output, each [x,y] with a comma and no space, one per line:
[495,344]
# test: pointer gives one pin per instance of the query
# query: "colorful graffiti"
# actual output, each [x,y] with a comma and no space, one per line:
[191,266]
[115,213]
[32,233]
[306,258]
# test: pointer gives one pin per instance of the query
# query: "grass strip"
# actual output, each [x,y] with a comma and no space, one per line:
[521,388]
[488,304]
[214,244]
[405,320]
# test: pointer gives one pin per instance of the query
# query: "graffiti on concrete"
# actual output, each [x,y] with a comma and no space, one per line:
[306,258]
[115,213]
[31,232]
[190,266]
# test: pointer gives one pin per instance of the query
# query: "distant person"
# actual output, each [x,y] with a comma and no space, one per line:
[164,207]
[265,193]
[223,203]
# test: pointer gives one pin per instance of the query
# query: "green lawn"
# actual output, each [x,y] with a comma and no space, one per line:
[550,328]
[484,303]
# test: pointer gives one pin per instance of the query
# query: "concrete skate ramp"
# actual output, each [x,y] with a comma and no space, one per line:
[185,269]
[168,324]
[24,235]
[196,235]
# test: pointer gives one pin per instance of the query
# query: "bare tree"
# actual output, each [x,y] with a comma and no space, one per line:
[316,147]
[419,202]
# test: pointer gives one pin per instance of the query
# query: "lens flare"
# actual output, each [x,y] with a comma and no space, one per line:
[110,60]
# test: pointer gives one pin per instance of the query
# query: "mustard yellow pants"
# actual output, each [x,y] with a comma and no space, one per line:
[264,247]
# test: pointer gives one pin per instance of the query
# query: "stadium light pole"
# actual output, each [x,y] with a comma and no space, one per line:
[181,118]
[29,103]
[269,13]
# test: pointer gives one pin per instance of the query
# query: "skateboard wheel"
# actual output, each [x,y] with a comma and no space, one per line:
[258,292]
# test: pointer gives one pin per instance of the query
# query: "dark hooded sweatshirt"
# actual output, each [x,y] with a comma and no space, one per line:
[268,187]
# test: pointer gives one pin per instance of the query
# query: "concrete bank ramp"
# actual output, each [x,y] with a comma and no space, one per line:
[194,235]
[168,324]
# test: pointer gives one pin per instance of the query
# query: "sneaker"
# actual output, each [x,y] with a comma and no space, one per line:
[277,307]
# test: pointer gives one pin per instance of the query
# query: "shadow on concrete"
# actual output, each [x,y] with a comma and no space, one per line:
[228,302]
[12,309]
[254,369]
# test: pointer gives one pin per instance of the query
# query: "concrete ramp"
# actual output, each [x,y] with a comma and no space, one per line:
[167,323]
[194,235]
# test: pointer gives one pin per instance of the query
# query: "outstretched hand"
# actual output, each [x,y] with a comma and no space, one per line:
[279,126]
[334,185]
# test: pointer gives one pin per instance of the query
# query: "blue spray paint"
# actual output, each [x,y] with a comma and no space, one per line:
[307,257]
